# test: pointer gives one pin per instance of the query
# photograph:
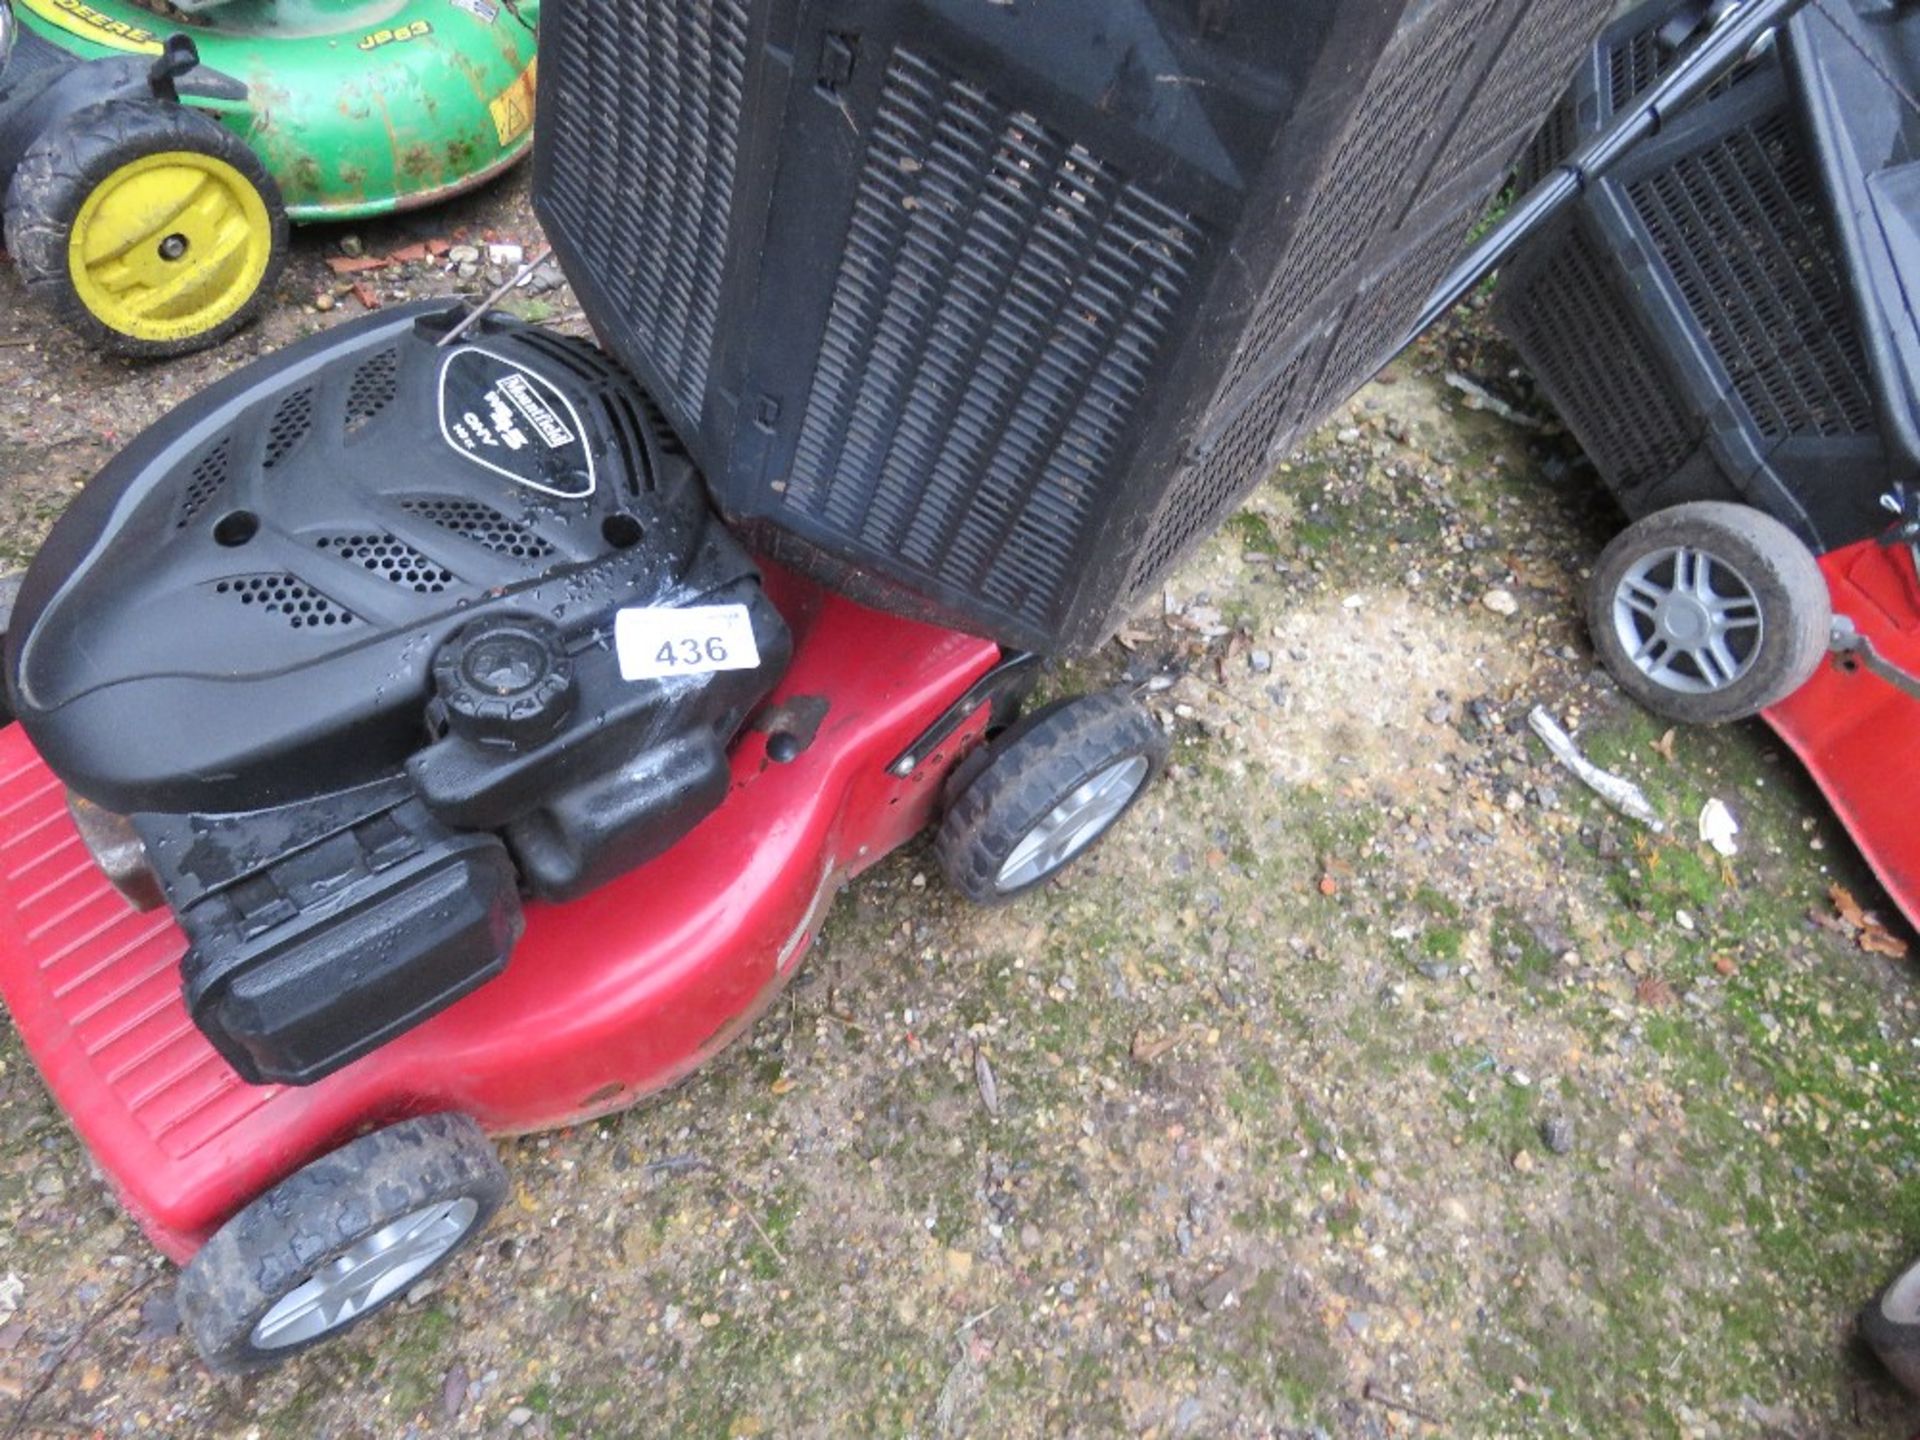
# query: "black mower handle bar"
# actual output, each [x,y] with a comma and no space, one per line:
[1737,31]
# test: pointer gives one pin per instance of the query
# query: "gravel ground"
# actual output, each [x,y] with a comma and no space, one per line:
[1376,1081]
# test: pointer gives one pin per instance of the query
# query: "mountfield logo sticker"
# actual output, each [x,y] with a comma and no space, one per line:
[514,422]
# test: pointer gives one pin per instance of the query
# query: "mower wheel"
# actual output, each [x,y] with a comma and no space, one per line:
[1053,786]
[9,592]
[337,1240]
[1709,612]
[151,228]
[1891,1326]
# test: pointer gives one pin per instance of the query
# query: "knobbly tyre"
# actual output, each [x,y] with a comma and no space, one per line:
[150,167]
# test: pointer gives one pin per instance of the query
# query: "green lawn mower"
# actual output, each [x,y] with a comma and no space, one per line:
[151,162]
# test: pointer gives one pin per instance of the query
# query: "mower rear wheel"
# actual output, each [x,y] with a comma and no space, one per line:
[1053,786]
[9,593]
[151,228]
[1891,1326]
[337,1240]
[1709,612]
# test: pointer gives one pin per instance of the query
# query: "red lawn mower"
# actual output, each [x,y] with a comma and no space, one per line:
[1724,323]
[445,728]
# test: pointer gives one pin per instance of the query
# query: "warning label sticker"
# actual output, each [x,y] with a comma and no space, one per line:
[512,108]
[515,423]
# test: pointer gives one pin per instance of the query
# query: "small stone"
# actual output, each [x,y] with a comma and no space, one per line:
[1029,1236]
[1225,1288]
[1348,435]
[1500,602]
[506,254]
[1439,713]
[709,1320]
[1260,661]
[467,269]
[464,255]
[1683,919]
[518,1416]
[1557,1132]
[1523,1161]
[959,1264]
[324,301]
[352,247]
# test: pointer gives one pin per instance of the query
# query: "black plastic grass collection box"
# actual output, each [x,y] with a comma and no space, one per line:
[1721,318]
[988,312]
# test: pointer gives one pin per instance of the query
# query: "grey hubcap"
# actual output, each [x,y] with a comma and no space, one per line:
[1687,620]
[371,1270]
[1901,1302]
[1075,823]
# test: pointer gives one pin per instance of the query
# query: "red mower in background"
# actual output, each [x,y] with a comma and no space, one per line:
[1725,323]
[935,336]
[1722,321]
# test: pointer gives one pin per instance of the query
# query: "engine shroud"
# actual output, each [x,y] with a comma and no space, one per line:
[339,637]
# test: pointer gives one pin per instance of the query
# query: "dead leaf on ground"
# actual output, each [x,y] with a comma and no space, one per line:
[1663,747]
[983,1078]
[1867,932]
[1145,1051]
[1877,941]
[1654,993]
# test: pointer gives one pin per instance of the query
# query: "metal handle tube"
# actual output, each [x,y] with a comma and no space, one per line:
[1723,47]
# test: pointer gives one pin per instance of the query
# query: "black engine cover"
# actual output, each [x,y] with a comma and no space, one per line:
[340,636]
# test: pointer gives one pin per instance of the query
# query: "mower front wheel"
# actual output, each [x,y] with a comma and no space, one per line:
[337,1240]
[150,228]
[1053,786]
[1891,1326]
[9,593]
[1709,612]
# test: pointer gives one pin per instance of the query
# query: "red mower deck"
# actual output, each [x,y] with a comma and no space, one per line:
[607,998]
[1858,735]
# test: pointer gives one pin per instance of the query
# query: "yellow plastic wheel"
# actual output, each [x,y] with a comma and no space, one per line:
[150,227]
[170,246]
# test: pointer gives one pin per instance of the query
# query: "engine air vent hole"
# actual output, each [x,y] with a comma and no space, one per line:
[289,427]
[393,560]
[481,524]
[621,531]
[303,607]
[208,477]
[236,527]
[372,389]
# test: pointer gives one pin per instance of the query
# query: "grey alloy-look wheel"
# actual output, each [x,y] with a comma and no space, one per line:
[1053,786]
[1890,1324]
[337,1240]
[1709,612]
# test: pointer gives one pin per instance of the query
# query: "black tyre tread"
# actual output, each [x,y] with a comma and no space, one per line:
[1033,767]
[279,1239]
[1896,1345]
[60,170]
[9,593]
[1773,560]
